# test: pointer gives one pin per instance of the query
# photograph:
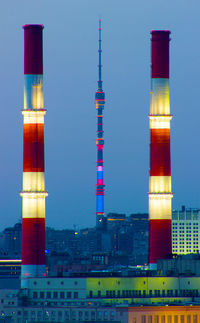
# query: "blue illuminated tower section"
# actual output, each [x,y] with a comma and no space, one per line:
[100,101]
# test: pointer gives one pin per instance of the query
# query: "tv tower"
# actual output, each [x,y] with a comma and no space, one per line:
[160,191]
[33,193]
[100,101]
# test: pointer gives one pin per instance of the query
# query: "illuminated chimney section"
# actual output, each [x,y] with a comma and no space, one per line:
[160,192]
[33,193]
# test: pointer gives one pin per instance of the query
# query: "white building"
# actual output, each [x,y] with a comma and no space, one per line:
[185,231]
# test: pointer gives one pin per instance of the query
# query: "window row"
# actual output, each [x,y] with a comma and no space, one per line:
[143,293]
[77,314]
[167,319]
[50,295]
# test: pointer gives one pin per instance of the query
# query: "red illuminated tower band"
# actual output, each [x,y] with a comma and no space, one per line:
[160,192]
[33,193]
[100,101]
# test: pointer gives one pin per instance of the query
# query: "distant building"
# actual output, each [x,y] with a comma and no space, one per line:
[61,240]
[11,240]
[140,238]
[180,265]
[130,235]
[185,231]
[123,240]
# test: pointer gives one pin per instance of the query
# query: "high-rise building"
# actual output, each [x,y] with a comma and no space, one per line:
[185,231]
[33,193]
[100,101]
[160,192]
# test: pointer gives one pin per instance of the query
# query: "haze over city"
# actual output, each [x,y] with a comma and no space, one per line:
[70,82]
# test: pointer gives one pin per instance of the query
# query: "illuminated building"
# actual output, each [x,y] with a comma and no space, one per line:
[160,192]
[97,313]
[117,299]
[100,101]
[185,231]
[10,268]
[164,314]
[33,193]
[114,289]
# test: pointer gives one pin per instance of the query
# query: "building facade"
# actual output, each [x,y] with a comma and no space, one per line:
[185,231]
[111,299]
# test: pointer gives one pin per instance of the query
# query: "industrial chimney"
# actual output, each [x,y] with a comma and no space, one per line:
[160,191]
[33,193]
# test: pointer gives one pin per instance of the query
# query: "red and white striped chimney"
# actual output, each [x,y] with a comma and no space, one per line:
[33,193]
[160,191]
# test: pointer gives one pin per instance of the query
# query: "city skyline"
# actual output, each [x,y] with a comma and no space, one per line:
[70,74]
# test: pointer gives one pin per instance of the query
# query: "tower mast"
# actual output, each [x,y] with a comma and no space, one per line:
[99,101]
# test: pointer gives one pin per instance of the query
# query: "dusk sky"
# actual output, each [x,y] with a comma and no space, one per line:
[70,83]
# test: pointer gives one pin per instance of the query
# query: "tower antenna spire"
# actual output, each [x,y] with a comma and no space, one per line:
[100,66]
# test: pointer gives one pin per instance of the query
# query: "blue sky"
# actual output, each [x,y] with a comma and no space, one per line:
[70,82]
